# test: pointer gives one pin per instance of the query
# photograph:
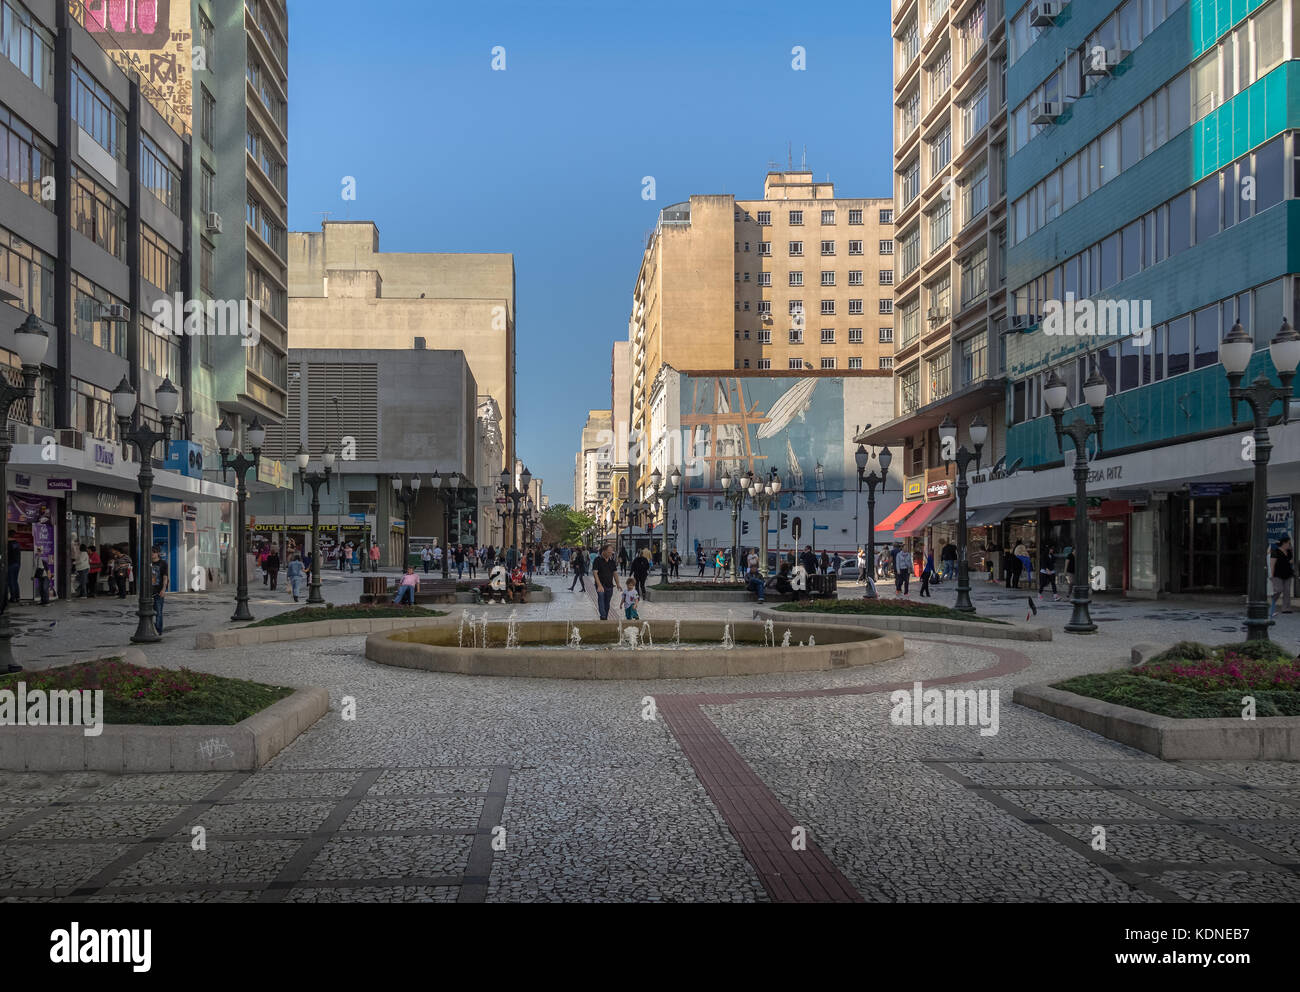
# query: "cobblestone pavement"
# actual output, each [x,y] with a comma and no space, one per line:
[452,788]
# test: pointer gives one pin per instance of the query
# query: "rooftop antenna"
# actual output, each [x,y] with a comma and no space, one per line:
[803,162]
[325,216]
[789,156]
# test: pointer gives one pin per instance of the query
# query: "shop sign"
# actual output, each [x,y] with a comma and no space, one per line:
[22,481]
[1278,518]
[939,489]
[914,487]
[1208,490]
[60,485]
[105,455]
[1106,473]
[101,501]
[191,511]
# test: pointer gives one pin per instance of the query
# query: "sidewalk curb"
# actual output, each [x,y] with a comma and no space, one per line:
[1270,738]
[132,748]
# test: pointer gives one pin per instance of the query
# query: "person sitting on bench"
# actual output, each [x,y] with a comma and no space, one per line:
[782,581]
[407,587]
[518,585]
[754,581]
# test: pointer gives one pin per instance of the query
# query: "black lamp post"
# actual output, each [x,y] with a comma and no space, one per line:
[1056,393]
[241,464]
[515,498]
[871,480]
[449,486]
[31,341]
[664,494]
[315,480]
[736,497]
[1235,352]
[145,439]
[979,432]
[766,496]
[406,496]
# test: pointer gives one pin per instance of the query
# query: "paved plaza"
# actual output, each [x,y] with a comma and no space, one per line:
[456,788]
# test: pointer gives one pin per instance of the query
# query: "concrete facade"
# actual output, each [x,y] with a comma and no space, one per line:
[346,293]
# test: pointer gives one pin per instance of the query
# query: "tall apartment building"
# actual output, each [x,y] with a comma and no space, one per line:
[593,463]
[620,398]
[1153,175]
[95,224]
[800,282]
[950,165]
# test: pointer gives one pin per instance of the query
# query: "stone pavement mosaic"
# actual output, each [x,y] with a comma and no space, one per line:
[591,802]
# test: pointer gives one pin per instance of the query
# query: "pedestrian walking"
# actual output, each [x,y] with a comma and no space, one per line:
[605,577]
[158,583]
[374,556]
[83,570]
[903,571]
[122,573]
[629,600]
[641,569]
[13,565]
[927,573]
[1047,574]
[948,559]
[579,562]
[96,566]
[273,568]
[459,558]
[297,573]
[426,556]
[700,560]
[1282,561]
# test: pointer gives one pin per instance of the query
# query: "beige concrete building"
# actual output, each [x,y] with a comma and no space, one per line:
[620,398]
[345,293]
[799,280]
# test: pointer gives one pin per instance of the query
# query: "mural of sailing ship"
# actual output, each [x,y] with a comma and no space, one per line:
[718,414]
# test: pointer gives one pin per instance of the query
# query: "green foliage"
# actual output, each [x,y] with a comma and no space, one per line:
[1186,651]
[310,614]
[1181,701]
[882,607]
[564,525]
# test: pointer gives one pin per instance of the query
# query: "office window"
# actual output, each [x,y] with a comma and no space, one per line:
[796,335]
[765,279]
[208,39]
[885,362]
[828,217]
[887,216]
[765,308]
[207,267]
[1269,170]
[855,335]
[828,247]
[855,307]
[975,192]
[887,247]
[764,218]
[855,248]
[886,335]
[975,113]
[940,151]
[909,183]
[25,157]
[764,364]
[746,363]
[796,278]
[855,277]
[160,263]
[98,215]
[1206,338]
[796,363]
[796,249]
[828,277]
[828,363]
[940,376]
[746,277]
[886,306]
[158,175]
[764,336]
[911,251]
[828,307]
[98,114]
[828,335]
[796,218]
[855,216]
[886,277]
[88,301]
[974,358]
[29,269]
[796,307]
[855,363]
[26,43]
[207,116]
[940,225]
[765,247]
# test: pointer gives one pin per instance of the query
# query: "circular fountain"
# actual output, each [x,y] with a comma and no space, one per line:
[647,650]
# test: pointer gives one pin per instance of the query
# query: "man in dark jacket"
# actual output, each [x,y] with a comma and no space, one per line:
[640,569]
[273,566]
[579,563]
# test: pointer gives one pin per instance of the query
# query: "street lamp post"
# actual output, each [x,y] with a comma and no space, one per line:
[31,341]
[449,486]
[871,480]
[1056,393]
[515,497]
[145,439]
[406,496]
[664,494]
[315,480]
[766,495]
[979,433]
[736,497]
[1235,352]
[241,464]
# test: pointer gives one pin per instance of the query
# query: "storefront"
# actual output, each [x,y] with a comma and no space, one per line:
[33,522]
[103,520]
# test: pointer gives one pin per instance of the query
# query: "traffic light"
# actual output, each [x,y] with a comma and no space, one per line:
[796,528]
[785,521]
[744,527]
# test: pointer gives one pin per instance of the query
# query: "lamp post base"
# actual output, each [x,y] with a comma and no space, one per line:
[1257,621]
[146,633]
[313,595]
[242,611]
[1080,619]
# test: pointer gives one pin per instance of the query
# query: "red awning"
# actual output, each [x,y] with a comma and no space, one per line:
[918,521]
[893,520]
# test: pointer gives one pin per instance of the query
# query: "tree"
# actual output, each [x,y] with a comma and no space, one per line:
[563,524]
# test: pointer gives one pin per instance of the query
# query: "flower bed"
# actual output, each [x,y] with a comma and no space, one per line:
[700,587]
[312,614]
[883,607]
[1192,680]
[134,694]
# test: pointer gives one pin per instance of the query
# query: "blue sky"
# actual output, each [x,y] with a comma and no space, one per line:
[546,159]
